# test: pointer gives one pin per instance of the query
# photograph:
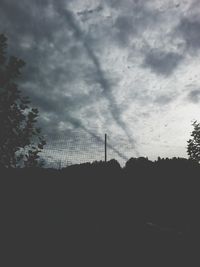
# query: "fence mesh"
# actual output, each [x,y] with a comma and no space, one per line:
[77,147]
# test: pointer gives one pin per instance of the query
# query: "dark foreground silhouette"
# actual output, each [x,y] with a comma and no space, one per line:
[146,214]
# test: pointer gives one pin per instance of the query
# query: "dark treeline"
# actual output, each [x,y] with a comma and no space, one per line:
[100,214]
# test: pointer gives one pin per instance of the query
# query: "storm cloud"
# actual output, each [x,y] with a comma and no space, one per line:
[161,62]
[99,66]
[189,30]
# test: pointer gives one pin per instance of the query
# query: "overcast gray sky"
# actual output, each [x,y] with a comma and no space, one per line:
[129,68]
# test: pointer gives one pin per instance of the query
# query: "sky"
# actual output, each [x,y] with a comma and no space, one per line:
[127,68]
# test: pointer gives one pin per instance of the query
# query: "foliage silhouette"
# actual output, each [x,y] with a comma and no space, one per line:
[193,148]
[20,140]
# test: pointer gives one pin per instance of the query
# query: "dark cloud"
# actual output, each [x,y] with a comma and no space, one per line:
[190,31]
[161,62]
[125,29]
[21,18]
[133,19]
[194,96]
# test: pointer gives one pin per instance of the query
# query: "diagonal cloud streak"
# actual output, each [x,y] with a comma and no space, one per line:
[100,74]
[77,123]
[108,145]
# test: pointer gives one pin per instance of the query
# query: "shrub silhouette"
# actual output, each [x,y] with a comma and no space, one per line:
[193,148]
[20,140]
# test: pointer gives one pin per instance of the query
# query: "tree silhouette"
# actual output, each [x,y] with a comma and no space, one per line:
[193,147]
[20,140]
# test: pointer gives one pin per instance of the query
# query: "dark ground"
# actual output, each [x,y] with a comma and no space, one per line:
[101,215]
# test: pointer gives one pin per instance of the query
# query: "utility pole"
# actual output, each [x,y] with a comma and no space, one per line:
[105,147]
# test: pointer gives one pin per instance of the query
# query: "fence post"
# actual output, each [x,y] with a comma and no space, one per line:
[105,147]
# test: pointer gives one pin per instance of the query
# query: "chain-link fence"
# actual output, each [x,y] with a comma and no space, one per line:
[80,147]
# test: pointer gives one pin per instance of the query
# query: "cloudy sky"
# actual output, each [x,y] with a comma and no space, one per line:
[129,68]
